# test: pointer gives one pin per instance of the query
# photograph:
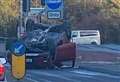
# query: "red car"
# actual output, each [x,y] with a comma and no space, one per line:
[64,52]
[2,69]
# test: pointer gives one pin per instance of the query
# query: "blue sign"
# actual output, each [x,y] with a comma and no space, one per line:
[18,48]
[54,4]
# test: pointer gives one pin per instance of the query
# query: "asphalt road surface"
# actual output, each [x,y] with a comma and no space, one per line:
[103,53]
[2,50]
[63,75]
[84,53]
[111,48]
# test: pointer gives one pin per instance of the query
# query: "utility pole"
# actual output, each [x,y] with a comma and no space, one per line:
[20,27]
[22,17]
[85,4]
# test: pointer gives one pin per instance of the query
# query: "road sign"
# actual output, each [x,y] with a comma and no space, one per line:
[54,9]
[36,10]
[18,48]
[54,14]
[18,59]
[18,66]
[54,4]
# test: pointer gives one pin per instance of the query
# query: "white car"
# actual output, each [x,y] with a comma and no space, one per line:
[86,37]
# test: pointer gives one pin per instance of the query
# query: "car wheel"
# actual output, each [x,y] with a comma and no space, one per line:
[93,43]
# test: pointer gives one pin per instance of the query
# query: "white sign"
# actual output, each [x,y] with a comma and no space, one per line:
[54,14]
[54,1]
[36,10]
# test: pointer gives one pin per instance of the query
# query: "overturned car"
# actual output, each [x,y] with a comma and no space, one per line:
[48,47]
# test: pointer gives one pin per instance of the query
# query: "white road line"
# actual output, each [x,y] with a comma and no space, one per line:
[31,80]
[94,73]
[56,75]
[29,77]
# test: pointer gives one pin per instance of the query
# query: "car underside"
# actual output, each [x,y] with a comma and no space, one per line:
[44,43]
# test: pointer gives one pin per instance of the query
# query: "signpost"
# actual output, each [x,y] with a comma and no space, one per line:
[18,60]
[54,9]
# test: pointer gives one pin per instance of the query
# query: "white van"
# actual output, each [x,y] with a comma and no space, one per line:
[86,37]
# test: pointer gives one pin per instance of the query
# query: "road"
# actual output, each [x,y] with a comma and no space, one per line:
[85,54]
[111,48]
[2,49]
[104,53]
[64,75]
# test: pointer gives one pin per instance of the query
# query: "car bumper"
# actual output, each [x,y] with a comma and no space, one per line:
[2,78]
[36,60]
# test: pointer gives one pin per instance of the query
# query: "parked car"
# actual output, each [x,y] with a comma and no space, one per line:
[86,37]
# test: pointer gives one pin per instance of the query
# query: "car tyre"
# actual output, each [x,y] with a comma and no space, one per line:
[93,43]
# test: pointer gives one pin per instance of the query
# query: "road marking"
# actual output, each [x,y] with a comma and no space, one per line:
[94,73]
[29,77]
[56,75]
[98,62]
[31,80]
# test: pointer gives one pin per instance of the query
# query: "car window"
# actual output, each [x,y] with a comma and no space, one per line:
[74,34]
[82,34]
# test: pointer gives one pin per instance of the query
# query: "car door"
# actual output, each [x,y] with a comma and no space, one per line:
[75,37]
[84,38]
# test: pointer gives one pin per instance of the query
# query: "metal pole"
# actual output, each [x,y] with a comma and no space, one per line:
[21,19]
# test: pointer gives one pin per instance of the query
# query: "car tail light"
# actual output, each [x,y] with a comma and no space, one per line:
[2,70]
